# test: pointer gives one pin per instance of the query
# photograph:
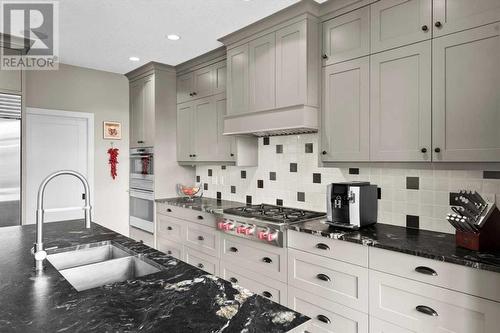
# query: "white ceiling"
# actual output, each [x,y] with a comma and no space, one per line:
[103,34]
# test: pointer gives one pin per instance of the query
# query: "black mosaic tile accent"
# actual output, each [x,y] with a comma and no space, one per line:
[293,167]
[316,178]
[379,193]
[219,196]
[223,167]
[272,175]
[260,183]
[233,189]
[412,183]
[353,171]
[309,148]
[266,141]
[205,187]
[491,174]
[243,174]
[210,172]
[301,196]
[279,202]
[198,179]
[279,149]
[249,199]
[412,221]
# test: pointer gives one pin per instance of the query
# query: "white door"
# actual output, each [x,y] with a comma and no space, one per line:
[400,104]
[203,82]
[262,74]
[58,140]
[346,37]
[185,132]
[346,111]
[205,131]
[466,96]
[396,23]
[185,87]
[457,15]
[225,143]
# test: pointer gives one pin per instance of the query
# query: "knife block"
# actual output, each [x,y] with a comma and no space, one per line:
[488,237]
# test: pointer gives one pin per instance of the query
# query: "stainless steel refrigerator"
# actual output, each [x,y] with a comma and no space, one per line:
[10,160]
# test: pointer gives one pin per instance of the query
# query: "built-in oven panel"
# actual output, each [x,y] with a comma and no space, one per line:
[141,163]
[142,210]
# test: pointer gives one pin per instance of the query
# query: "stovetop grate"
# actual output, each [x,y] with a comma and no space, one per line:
[276,214]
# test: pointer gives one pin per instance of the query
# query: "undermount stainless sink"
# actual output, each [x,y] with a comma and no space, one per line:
[97,265]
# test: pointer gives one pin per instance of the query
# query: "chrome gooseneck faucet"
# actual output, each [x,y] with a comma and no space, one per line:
[39,252]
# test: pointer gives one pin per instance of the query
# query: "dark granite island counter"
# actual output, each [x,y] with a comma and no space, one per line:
[179,298]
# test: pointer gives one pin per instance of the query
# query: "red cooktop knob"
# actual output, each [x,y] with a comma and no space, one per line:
[220,225]
[272,236]
[262,235]
[240,229]
[229,226]
[249,231]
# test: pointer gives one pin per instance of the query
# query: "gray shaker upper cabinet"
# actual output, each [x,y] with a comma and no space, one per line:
[185,87]
[400,104]
[346,37]
[346,111]
[237,80]
[456,15]
[466,95]
[395,23]
[197,84]
[142,111]
[262,73]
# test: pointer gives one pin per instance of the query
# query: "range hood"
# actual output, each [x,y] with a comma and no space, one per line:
[285,121]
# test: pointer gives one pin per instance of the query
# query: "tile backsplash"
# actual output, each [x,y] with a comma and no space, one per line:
[288,174]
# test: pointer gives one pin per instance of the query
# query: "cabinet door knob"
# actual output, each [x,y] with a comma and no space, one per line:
[194,155]
[323,319]
[233,280]
[324,152]
[324,277]
[200,265]
[425,28]
[191,94]
[324,56]
[267,294]
[425,270]
[322,246]
[267,260]
[426,310]
[438,24]
[169,252]
[201,238]
[423,150]
[194,94]
[169,228]
[437,150]
[169,210]
[233,249]
[232,155]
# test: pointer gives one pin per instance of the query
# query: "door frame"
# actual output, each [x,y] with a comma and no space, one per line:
[90,144]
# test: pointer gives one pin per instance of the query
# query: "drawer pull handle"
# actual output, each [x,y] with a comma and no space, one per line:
[426,310]
[200,266]
[169,252]
[267,260]
[324,277]
[200,217]
[201,238]
[233,249]
[267,294]
[324,319]
[322,246]
[169,228]
[169,210]
[425,270]
[233,280]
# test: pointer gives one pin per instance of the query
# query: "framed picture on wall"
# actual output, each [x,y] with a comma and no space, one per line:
[112,130]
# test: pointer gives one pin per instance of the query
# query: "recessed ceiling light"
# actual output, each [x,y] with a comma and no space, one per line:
[134,59]
[173,37]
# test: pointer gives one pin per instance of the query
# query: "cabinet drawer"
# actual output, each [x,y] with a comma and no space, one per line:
[171,248]
[170,228]
[335,280]
[327,316]
[187,214]
[331,248]
[142,236]
[425,308]
[202,261]
[203,239]
[380,326]
[260,258]
[274,290]
[460,278]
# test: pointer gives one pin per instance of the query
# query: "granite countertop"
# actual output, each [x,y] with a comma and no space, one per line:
[422,243]
[179,298]
[208,205]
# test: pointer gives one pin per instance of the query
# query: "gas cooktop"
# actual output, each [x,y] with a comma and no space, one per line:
[274,214]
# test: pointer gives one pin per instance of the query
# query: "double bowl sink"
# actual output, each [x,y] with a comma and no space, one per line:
[99,264]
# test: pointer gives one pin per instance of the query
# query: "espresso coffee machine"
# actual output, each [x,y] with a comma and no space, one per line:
[351,205]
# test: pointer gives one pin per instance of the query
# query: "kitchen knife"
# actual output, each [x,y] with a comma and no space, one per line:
[453,223]
[479,198]
[470,206]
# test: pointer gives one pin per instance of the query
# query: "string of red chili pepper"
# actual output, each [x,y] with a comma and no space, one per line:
[113,160]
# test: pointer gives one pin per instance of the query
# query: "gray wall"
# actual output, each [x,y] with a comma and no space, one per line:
[106,95]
